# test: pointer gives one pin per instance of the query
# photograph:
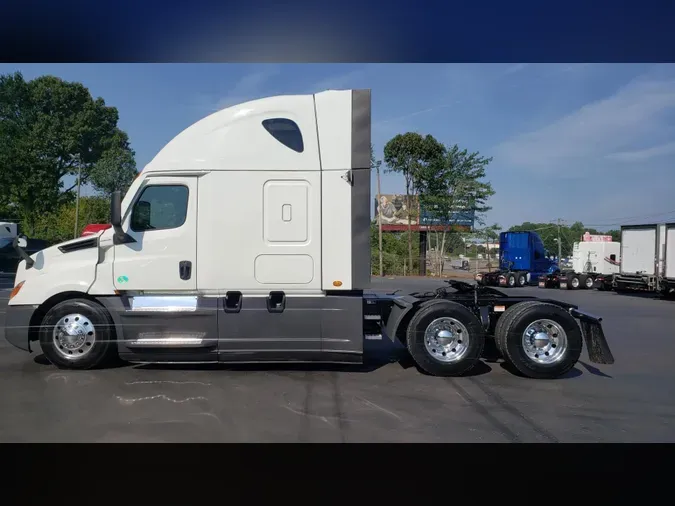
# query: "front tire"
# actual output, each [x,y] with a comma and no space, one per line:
[444,338]
[78,334]
[538,339]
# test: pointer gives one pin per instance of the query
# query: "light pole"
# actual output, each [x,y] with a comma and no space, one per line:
[77,202]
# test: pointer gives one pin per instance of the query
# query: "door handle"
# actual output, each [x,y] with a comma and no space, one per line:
[185,270]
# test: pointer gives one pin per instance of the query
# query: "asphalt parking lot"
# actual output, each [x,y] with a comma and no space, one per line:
[630,401]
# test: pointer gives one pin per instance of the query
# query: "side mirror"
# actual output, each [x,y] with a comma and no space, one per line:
[116,210]
[18,244]
[120,236]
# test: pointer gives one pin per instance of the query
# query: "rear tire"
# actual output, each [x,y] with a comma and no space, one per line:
[444,338]
[511,280]
[539,340]
[522,279]
[78,334]
[573,282]
[588,283]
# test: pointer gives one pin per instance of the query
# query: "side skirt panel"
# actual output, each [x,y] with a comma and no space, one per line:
[191,329]
[309,329]
[165,328]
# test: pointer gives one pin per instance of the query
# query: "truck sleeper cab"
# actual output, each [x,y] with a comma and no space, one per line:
[247,239]
[522,261]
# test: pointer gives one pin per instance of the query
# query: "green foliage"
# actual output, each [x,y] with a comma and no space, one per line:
[569,234]
[116,169]
[616,235]
[411,154]
[50,128]
[455,182]
[394,252]
[57,226]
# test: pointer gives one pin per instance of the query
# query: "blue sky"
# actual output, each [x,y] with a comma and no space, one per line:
[587,142]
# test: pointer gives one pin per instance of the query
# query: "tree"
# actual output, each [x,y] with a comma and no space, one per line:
[451,186]
[49,129]
[491,236]
[57,225]
[410,154]
[569,234]
[116,169]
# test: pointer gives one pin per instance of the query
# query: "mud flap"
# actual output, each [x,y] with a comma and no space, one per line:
[596,343]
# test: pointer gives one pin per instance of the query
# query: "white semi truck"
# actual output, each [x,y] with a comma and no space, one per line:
[247,239]
[647,259]
[594,263]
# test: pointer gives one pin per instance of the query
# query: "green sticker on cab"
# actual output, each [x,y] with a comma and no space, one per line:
[122,279]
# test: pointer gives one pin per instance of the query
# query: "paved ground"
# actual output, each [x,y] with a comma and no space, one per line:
[631,401]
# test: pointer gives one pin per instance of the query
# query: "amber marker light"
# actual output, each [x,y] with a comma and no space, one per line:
[16,290]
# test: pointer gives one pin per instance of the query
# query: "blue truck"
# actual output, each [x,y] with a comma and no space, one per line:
[522,259]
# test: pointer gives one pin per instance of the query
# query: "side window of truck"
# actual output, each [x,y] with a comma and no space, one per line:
[286,132]
[160,207]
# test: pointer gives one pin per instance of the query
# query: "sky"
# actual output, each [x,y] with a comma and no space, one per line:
[578,142]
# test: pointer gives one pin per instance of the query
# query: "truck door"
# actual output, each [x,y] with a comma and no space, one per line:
[162,220]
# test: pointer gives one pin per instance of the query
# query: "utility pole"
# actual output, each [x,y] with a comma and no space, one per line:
[77,203]
[559,244]
[379,219]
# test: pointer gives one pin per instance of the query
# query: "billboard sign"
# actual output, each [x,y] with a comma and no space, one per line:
[587,237]
[392,210]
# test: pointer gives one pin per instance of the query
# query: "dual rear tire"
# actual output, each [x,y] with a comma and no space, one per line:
[537,339]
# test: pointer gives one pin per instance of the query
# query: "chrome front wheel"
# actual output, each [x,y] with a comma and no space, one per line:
[74,336]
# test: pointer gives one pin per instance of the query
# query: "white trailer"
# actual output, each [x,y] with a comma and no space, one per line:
[644,259]
[247,239]
[669,256]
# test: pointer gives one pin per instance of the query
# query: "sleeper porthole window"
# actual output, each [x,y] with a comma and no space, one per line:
[286,131]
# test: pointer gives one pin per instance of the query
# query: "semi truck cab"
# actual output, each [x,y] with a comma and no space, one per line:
[247,239]
[522,260]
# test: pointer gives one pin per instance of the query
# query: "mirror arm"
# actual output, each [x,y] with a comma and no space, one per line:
[121,237]
[29,261]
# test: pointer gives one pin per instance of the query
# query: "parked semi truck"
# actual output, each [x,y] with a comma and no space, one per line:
[522,260]
[647,259]
[594,263]
[285,181]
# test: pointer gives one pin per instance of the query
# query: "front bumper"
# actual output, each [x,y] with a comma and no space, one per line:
[17,323]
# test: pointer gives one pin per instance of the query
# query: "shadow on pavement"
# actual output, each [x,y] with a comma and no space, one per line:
[594,370]
[42,360]
[573,373]
[645,295]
